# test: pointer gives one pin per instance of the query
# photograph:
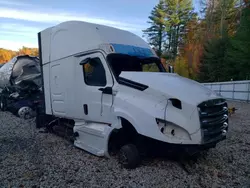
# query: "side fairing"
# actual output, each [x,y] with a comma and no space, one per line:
[137,107]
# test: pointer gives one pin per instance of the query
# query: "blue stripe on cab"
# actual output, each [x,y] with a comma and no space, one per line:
[132,50]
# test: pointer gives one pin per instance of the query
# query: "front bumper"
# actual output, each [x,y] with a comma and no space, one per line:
[157,147]
[193,149]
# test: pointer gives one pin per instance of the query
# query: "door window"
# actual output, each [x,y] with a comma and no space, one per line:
[94,73]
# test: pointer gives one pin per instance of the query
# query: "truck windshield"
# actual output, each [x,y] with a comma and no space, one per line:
[122,62]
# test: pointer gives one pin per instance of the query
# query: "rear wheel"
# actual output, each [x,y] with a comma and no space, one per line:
[129,156]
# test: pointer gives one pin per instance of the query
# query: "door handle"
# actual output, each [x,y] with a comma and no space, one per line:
[85,108]
[106,90]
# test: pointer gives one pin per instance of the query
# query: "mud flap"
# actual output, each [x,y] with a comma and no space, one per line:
[93,138]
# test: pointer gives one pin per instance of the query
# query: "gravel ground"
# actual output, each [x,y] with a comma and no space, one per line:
[32,159]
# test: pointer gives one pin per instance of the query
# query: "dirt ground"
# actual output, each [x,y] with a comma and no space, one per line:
[32,159]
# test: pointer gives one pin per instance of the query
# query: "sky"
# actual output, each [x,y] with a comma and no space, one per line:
[21,20]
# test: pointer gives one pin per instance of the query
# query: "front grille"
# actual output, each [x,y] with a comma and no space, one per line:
[213,119]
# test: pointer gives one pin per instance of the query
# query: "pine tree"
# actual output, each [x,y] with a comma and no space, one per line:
[211,67]
[178,14]
[238,52]
[220,24]
[156,32]
[220,17]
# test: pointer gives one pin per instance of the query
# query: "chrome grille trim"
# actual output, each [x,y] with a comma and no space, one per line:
[213,116]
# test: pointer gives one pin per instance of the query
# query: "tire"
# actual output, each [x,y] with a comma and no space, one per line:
[129,156]
[39,118]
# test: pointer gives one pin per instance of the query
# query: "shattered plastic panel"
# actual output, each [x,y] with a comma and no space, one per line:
[25,69]
[18,69]
[5,72]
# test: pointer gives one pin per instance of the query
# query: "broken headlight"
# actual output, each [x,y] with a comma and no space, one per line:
[170,129]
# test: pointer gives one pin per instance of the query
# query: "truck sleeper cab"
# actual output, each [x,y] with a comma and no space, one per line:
[119,95]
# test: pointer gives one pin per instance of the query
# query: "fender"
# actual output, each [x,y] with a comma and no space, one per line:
[126,115]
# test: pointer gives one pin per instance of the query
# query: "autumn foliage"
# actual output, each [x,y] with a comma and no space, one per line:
[208,45]
[6,55]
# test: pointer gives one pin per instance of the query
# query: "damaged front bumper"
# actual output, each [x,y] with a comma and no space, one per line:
[160,148]
[194,149]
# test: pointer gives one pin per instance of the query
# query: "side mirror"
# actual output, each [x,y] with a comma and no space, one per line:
[106,90]
[85,61]
[170,69]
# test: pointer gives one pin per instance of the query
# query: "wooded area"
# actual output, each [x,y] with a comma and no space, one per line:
[6,55]
[208,46]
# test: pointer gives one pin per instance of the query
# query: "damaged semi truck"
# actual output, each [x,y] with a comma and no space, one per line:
[118,96]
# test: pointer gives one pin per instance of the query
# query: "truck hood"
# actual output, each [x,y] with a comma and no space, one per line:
[172,86]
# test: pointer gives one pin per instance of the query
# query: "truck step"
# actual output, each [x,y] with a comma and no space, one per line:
[92,137]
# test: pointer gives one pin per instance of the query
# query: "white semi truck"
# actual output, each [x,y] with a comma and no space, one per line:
[113,88]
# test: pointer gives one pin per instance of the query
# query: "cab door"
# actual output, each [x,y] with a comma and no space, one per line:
[95,88]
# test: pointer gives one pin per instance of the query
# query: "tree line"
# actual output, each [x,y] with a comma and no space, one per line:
[209,45]
[6,55]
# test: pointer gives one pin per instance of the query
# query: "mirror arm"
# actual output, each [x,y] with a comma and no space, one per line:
[85,61]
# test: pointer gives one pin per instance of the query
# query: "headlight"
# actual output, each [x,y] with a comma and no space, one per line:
[170,129]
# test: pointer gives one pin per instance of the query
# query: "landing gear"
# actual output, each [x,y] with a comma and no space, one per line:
[129,156]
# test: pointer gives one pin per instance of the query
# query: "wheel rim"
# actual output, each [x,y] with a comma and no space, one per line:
[1,105]
[25,113]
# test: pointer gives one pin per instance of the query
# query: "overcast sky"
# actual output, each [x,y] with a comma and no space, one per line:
[20,21]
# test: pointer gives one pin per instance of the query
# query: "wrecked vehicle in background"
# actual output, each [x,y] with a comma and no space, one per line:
[20,83]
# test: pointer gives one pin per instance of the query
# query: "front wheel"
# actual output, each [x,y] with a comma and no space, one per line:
[129,156]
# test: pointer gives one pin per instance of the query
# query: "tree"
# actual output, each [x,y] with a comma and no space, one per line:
[6,55]
[192,48]
[213,64]
[220,23]
[238,51]
[168,21]
[220,17]
[211,47]
[181,66]
[178,14]
[28,51]
[156,32]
